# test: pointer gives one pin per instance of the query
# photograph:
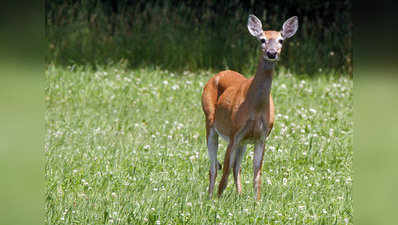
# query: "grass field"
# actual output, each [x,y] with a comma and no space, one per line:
[128,147]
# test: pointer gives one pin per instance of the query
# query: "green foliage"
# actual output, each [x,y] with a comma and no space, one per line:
[196,34]
[127,147]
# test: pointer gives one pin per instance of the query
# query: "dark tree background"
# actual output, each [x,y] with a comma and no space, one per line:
[193,35]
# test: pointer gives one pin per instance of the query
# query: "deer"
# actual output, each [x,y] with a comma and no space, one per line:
[241,110]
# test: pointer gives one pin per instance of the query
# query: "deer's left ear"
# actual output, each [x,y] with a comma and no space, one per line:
[289,27]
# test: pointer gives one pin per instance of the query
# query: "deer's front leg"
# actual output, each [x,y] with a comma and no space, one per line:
[229,159]
[257,164]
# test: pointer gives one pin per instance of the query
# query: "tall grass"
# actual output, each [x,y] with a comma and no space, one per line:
[178,36]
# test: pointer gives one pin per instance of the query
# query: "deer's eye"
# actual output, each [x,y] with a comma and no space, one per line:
[262,40]
[280,41]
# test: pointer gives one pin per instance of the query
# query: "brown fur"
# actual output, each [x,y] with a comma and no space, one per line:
[232,103]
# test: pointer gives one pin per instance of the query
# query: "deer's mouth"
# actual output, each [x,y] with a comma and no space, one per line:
[266,58]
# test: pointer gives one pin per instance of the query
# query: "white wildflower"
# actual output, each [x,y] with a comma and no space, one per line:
[175,87]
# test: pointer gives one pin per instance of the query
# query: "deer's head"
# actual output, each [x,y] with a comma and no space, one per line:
[271,41]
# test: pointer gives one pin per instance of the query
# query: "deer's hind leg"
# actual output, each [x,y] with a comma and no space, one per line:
[212,147]
[229,160]
[240,151]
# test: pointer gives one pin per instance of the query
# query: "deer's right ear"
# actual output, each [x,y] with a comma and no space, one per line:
[254,26]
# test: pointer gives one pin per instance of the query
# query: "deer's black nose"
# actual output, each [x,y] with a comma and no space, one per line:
[271,54]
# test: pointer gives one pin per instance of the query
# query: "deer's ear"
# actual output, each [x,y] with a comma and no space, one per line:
[289,27]
[254,26]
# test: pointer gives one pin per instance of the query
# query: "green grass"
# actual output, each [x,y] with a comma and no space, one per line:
[128,147]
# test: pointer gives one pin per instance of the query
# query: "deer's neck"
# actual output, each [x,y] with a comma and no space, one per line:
[260,88]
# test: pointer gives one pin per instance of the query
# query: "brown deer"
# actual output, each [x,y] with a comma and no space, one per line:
[241,110]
